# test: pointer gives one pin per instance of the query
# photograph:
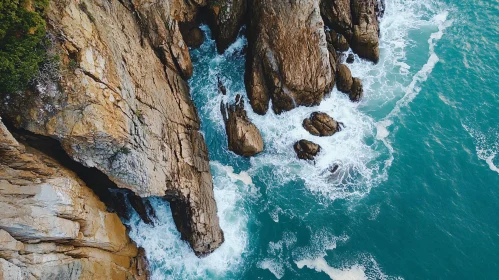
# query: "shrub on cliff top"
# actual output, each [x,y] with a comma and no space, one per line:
[22,33]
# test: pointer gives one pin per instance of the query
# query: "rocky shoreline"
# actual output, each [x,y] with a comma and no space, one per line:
[120,116]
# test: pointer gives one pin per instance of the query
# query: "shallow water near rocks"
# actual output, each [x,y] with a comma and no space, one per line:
[416,195]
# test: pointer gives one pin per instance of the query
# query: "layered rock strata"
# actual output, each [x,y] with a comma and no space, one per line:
[52,226]
[122,105]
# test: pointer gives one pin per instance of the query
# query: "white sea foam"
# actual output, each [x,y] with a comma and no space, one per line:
[487,145]
[172,258]
[355,272]
[361,150]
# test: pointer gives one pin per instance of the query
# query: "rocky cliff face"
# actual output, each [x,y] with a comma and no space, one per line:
[122,105]
[52,226]
[288,60]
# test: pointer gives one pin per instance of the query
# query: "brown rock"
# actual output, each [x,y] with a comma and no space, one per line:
[192,35]
[320,124]
[126,110]
[357,90]
[49,218]
[306,150]
[337,15]
[226,18]
[339,41]
[344,79]
[365,41]
[279,65]
[243,136]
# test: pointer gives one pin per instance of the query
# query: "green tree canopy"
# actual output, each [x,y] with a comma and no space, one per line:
[22,33]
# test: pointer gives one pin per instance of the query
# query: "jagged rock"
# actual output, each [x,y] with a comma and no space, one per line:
[221,87]
[357,20]
[52,226]
[337,14]
[243,136]
[192,34]
[306,149]
[351,58]
[357,90]
[365,41]
[126,108]
[226,18]
[344,79]
[339,41]
[320,124]
[279,65]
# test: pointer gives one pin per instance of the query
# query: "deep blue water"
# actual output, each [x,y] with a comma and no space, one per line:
[418,191]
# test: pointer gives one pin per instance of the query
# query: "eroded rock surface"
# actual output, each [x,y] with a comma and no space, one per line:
[243,136]
[320,124]
[288,60]
[123,106]
[357,20]
[226,17]
[306,149]
[52,226]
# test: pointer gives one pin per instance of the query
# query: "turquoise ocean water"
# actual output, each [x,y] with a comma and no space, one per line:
[417,194]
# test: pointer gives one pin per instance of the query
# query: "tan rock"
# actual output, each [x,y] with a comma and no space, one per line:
[306,149]
[226,19]
[320,124]
[125,108]
[344,79]
[280,66]
[50,214]
[243,136]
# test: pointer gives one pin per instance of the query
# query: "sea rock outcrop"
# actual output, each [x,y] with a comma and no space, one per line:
[357,20]
[226,18]
[357,90]
[280,66]
[121,104]
[344,79]
[52,226]
[306,149]
[243,136]
[321,124]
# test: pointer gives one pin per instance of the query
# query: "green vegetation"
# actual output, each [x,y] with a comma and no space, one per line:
[22,42]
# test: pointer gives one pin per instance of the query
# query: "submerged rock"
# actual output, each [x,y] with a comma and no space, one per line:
[243,136]
[306,149]
[320,124]
[280,66]
[350,58]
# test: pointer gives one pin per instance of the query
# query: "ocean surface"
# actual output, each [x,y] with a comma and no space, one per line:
[417,192]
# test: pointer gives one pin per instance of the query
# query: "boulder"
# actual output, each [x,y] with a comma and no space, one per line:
[357,90]
[192,35]
[344,79]
[350,58]
[306,149]
[320,124]
[243,136]
[280,67]
[225,19]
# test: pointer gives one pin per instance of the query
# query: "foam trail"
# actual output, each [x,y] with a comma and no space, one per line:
[356,272]
[487,145]
[172,258]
